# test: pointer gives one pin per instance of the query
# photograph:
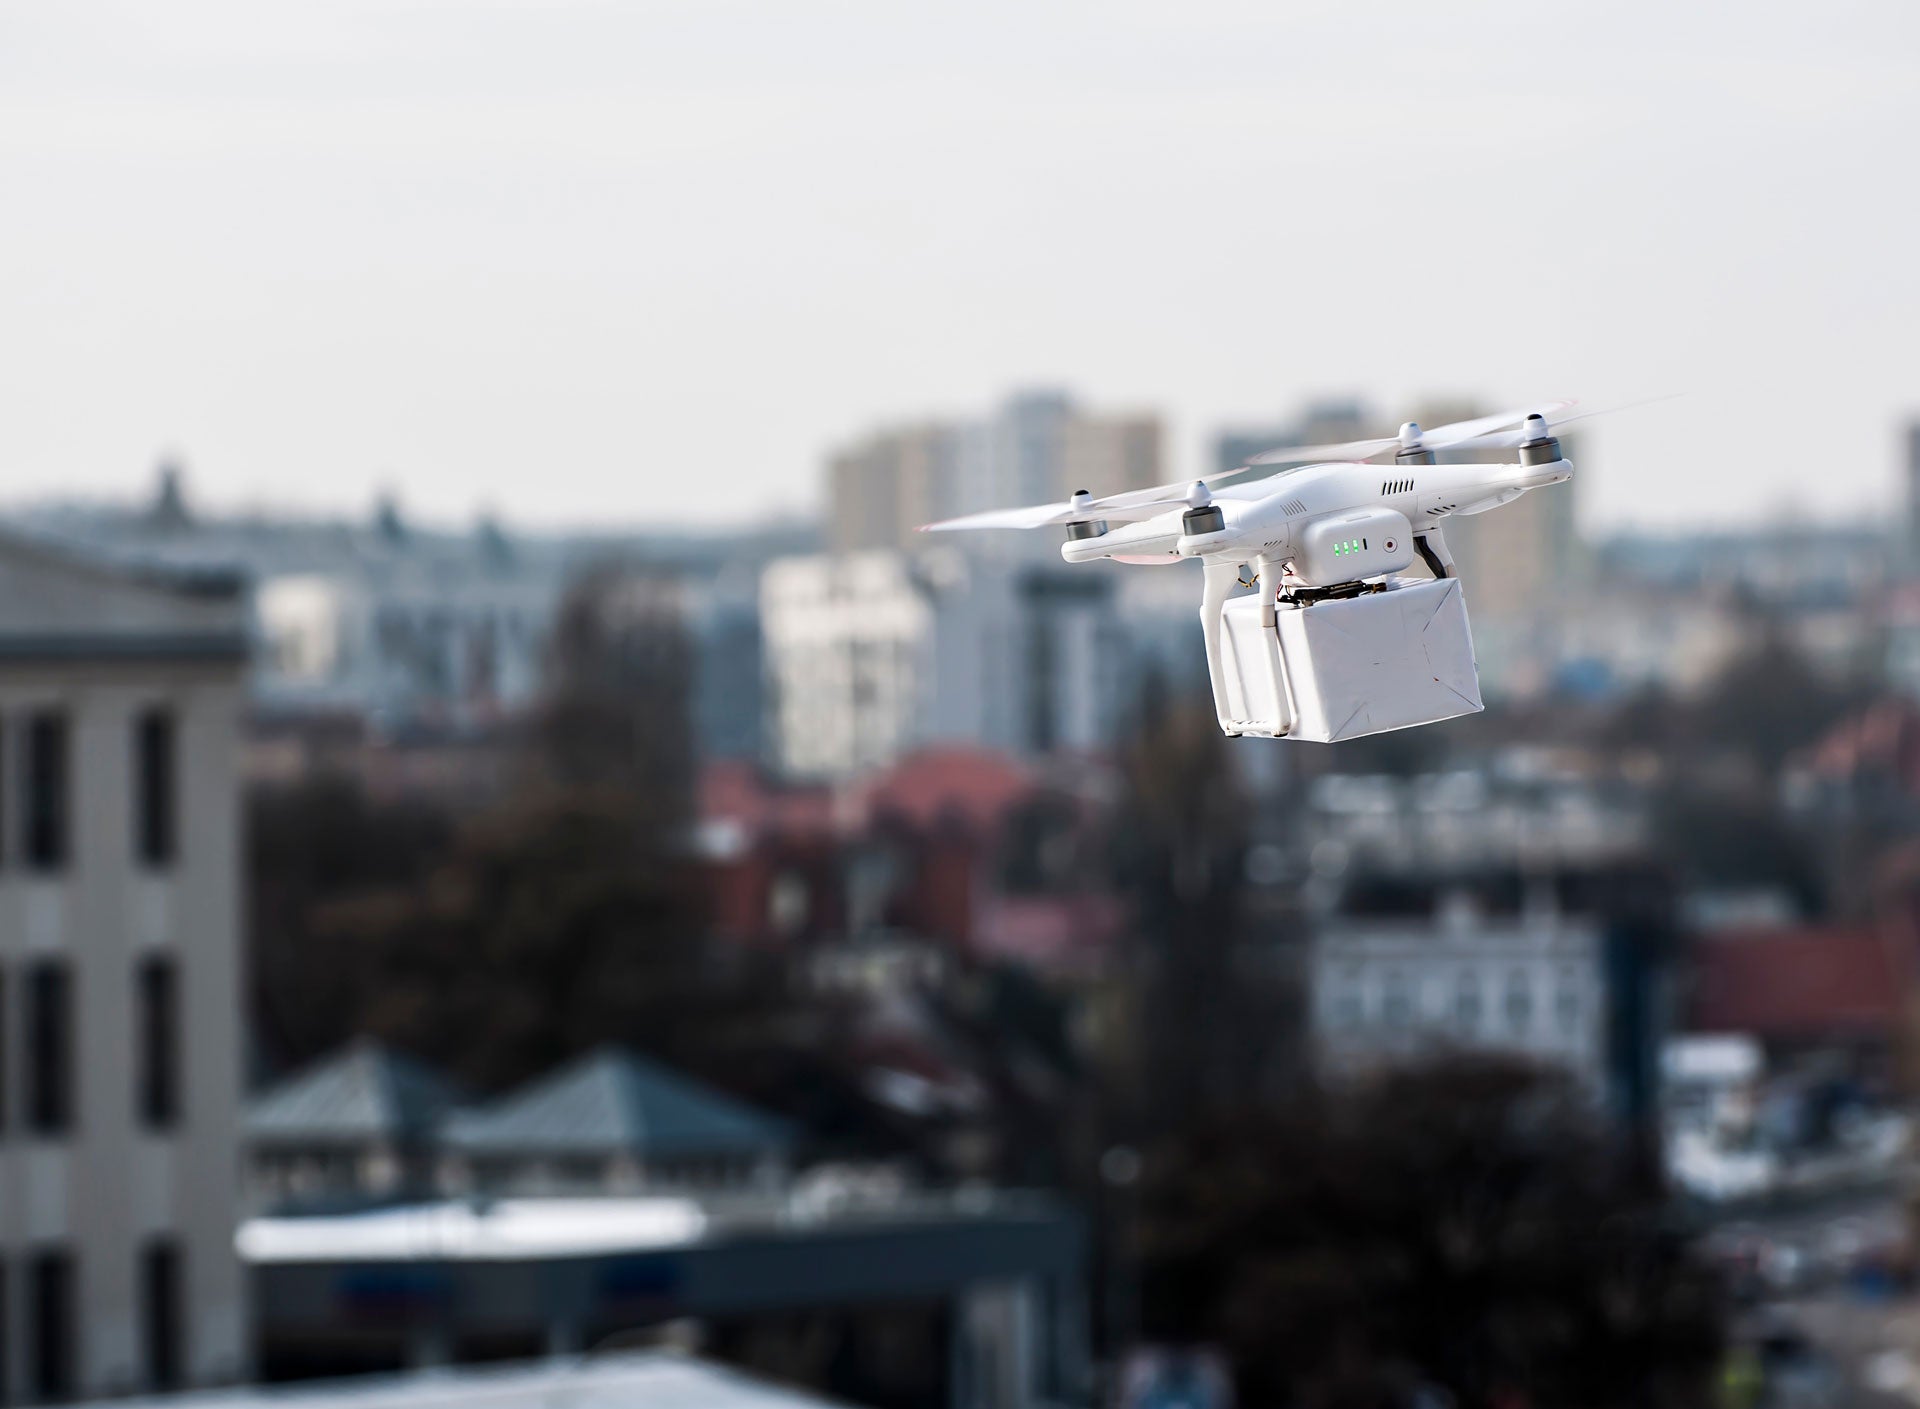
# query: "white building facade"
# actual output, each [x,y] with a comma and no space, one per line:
[1532,984]
[872,655]
[120,982]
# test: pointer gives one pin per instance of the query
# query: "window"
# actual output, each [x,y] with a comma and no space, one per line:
[49,1049]
[160,1305]
[1566,1004]
[1519,1002]
[46,798]
[1466,1002]
[158,1096]
[50,1326]
[1396,1003]
[155,775]
[1349,1004]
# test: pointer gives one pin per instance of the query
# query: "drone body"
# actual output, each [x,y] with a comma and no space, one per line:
[1315,655]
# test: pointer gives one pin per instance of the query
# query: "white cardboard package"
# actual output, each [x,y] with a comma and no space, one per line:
[1338,670]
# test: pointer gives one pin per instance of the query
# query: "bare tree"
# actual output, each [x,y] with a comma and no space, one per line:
[1470,1223]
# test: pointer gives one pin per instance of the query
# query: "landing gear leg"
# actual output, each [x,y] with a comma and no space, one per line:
[1432,549]
[1221,577]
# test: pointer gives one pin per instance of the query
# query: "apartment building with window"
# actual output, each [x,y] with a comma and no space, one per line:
[1527,979]
[120,698]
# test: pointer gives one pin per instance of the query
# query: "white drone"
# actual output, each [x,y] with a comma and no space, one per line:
[1329,531]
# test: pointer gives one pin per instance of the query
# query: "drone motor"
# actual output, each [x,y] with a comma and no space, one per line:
[1087,527]
[1539,446]
[1202,515]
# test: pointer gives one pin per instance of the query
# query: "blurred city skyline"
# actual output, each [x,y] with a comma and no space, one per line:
[580,264]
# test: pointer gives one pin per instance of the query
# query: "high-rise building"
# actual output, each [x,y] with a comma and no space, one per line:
[1109,454]
[885,486]
[1323,421]
[1037,446]
[1520,558]
[1028,440]
[121,691]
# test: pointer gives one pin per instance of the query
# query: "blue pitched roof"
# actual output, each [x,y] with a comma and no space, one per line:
[616,1101]
[365,1092]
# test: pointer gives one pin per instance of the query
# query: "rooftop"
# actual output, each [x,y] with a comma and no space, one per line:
[61,601]
[1807,982]
[614,1100]
[365,1092]
[971,786]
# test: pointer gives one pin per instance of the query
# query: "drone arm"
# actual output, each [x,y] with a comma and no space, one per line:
[1432,548]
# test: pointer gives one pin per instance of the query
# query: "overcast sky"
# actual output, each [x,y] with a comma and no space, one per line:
[594,262]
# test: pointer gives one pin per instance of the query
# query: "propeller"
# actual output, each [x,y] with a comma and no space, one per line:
[1082,507]
[1522,434]
[1503,429]
[1410,437]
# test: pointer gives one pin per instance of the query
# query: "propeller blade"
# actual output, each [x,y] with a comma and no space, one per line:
[1163,496]
[1442,437]
[1439,438]
[1126,507]
[1514,436]
[1337,450]
[1617,406]
[1502,430]
[1032,516]
[1492,440]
